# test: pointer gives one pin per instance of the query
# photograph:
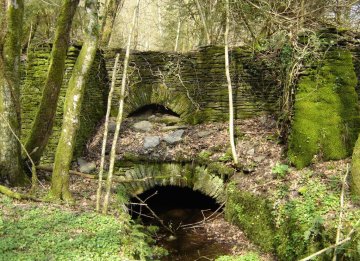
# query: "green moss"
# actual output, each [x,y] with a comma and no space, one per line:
[227,156]
[220,169]
[326,120]
[204,156]
[253,215]
[93,107]
[129,156]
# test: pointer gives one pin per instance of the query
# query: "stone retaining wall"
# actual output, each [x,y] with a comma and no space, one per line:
[33,79]
[191,84]
[194,84]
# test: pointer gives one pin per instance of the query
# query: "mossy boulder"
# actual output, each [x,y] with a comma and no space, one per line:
[326,121]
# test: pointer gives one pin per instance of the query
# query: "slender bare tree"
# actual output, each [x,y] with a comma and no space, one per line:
[227,70]
[120,112]
[106,128]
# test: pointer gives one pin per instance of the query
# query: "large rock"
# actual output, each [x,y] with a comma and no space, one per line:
[173,137]
[85,166]
[143,126]
[169,119]
[151,142]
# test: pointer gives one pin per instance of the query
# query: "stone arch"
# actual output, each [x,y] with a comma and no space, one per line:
[157,93]
[196,177]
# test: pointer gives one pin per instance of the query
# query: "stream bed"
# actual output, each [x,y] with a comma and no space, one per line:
[199,229]
[194,241]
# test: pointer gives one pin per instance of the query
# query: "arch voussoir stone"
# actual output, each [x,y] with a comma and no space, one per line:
[174,174]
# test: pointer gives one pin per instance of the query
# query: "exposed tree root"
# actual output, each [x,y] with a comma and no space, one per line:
[16,195]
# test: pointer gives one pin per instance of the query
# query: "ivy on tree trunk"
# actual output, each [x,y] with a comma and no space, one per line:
[10,49]
[72,107]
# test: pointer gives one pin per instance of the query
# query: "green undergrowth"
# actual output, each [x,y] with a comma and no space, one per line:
[251,256]
[296,220]
[33,232]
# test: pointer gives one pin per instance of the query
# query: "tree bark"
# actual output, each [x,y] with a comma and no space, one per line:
[206,30]
[44,119]
[227,70]
[111,9]
[72,107]
[10,48]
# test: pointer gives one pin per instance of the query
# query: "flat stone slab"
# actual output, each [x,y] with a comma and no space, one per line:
[202,134]
[173,137]
[143,126]
[151,142]
[85,166]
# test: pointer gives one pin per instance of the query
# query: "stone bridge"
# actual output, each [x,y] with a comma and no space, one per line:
[191,85]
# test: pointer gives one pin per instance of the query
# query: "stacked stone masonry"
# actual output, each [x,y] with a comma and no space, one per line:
[191,84]
[33,79]
[194,84]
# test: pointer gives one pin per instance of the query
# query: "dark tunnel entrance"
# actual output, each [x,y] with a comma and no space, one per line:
[187,213]
[174,204]
[152,109]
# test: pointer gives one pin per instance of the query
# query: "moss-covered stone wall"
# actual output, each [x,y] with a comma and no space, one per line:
[326,121]
[33,79]
[194,84]
[191,84]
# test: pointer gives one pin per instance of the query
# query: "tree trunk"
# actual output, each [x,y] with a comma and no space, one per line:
[120,112]
[72,107]
[109,16]
[355,169]
[10,49]
[206,31]
[44,119]
[161,31]
[177,35]
[227,70]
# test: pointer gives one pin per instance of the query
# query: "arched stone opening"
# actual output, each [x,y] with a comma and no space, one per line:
[195,177]
[160,94]
[175,204]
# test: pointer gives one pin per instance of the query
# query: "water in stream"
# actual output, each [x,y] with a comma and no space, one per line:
[181,209]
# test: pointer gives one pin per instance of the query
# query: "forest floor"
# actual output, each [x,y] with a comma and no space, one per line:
[30,230]
[46,230]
